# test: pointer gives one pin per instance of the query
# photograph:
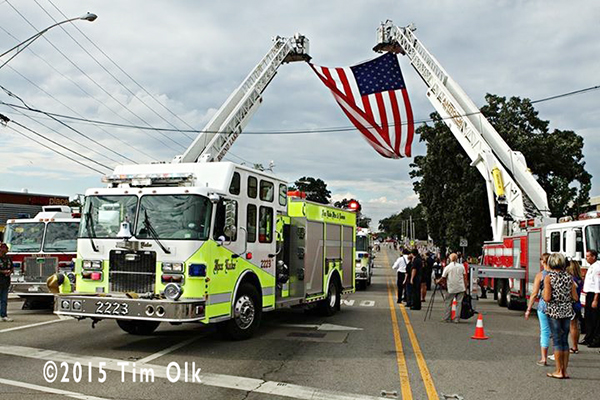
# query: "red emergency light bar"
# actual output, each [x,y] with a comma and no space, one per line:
[296,193]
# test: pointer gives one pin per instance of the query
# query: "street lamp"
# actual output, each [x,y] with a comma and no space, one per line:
[87,17]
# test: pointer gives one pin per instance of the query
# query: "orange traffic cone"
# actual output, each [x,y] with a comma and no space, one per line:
[453,314]
[479,333]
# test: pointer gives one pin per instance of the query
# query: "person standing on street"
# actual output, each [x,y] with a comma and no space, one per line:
[400,268]
[455,279]
[6,269]
[536,293]
[574,269]
[415,279]
[407,285]
[559,294]
[591,287]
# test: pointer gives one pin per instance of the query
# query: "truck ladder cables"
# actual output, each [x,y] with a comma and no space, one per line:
[512,189]
[223,129]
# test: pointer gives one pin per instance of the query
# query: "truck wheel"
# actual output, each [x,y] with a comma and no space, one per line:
[503,293]
[369,281]
[138,327]
[247,312]
[332,302]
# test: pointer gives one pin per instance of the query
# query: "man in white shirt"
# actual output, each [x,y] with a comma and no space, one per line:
[591,287]
[455,279]
[400,267]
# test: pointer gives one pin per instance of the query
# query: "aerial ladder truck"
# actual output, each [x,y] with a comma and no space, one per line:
[201,240]
[520,217]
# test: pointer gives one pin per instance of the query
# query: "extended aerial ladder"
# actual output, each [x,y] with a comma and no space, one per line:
[227,124]
[513,192]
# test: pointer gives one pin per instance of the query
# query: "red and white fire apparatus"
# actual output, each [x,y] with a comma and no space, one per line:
[40,247]
[520,217]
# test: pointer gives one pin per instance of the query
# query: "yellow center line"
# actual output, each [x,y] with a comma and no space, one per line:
[425,374]
[402,369]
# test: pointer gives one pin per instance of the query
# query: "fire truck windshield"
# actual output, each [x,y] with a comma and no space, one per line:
[104,214]
[61,237]
[592,237]
[25,237]
[174,217]
[362,243]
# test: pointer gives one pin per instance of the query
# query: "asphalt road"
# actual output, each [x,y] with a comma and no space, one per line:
[371,346]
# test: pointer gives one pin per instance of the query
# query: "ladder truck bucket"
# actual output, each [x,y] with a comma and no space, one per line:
[386,40]
[300,44]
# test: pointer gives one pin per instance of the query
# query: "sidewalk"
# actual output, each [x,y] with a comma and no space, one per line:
[14,297]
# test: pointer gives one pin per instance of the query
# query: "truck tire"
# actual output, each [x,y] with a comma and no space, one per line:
[331,304]
[247,312]
[134,327]
[369,280]
[361,285]
[503,292]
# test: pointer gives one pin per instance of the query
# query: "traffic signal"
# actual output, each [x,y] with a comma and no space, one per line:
[354,205]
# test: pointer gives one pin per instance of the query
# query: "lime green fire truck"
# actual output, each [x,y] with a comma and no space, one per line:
[199,240]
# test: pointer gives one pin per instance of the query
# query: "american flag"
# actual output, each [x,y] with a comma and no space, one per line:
[374,97]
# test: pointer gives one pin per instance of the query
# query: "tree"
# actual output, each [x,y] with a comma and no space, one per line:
[315,189]
[362,221]
[453,193]
[398,224]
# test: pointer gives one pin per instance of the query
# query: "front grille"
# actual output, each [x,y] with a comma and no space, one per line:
[39,270]
[134,275]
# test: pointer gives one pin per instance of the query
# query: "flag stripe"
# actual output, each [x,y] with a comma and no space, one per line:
[383,118]
[397,122]
[409,124]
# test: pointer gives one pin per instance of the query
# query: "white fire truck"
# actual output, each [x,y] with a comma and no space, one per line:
[199,240]
[364,258]
[41,246]
[520,218]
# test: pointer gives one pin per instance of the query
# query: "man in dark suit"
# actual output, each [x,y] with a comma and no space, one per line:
[415,280]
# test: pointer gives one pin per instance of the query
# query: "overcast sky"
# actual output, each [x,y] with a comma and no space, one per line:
[189,55]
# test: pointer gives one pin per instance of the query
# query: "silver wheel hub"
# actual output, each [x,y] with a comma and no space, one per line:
[243,312]
[332,296]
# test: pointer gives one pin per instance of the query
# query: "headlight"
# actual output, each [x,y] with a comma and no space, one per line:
[173,267]
[173,291]
[91,264]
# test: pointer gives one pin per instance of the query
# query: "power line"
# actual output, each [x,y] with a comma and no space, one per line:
[92,80]
[123,71]
[135,148]
[107,71]
[73,129]
[283,132]
[55,151]
[7,120]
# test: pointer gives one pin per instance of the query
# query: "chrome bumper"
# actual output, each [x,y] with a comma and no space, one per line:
[105,307]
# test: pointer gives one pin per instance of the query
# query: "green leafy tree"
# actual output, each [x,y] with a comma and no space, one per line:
[362,220]
[315,189]
[396,225]
[453,193]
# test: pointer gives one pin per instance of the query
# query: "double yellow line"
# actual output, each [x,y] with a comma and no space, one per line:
[402,368]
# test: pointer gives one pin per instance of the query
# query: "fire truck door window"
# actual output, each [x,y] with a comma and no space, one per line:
[265,227]
[592,237]
[579,242]
[282,194]
[220,221]
[266,190]
[61,236]
[251,223]
[564,241]
[252,187]
[555,242]
[234,188]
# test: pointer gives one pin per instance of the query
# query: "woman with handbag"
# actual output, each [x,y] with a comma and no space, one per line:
[559,294]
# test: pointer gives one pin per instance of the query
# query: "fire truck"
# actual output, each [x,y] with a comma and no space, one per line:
[39,247]
[364,258]
[200,240]
[518,206]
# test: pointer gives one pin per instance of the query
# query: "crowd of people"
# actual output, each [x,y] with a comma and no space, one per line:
[558,289]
